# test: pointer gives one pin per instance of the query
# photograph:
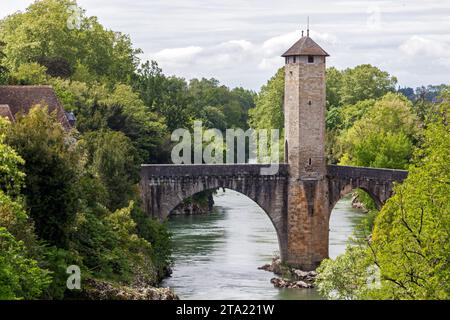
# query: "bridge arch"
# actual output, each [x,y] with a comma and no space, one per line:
[275,223]
[377,183]
[348,188]
[163,188]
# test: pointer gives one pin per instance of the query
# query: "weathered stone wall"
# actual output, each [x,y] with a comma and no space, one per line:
[299,198]
[298,208]
[164,187]
[307,223]
[304,107]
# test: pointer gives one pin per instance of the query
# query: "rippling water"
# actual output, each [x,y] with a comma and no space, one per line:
[217,255]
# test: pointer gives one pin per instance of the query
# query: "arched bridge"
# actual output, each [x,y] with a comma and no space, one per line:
[303,238]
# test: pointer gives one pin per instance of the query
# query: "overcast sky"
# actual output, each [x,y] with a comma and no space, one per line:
[239,42]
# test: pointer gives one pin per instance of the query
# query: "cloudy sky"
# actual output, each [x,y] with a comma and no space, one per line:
[240,42]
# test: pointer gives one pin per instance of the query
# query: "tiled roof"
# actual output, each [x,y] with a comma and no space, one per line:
[305,47]
[23,98]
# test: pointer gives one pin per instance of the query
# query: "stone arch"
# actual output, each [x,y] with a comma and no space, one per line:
[347,189]
[379,191]
[274,223]
[161,195]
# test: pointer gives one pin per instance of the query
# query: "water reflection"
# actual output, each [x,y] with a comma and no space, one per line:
[217,255]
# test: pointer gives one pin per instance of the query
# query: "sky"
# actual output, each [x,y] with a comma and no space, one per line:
[239,42]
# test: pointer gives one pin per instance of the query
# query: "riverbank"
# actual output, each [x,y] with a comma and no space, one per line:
[104,290]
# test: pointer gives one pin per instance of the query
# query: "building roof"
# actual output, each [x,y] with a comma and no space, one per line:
[305,47]
[20,99]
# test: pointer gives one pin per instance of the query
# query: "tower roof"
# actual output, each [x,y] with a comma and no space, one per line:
[305,47]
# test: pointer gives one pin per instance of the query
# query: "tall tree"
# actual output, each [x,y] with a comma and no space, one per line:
[365,82]
[51,169]
[44,33]
[383,137]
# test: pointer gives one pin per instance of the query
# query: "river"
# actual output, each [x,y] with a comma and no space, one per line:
[216,256]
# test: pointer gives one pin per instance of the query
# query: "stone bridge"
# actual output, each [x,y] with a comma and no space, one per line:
[163,187]
[299,198]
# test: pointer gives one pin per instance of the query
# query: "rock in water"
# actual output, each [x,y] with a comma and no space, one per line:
[297,278]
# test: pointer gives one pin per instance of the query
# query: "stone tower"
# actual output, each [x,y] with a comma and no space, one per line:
[304,112]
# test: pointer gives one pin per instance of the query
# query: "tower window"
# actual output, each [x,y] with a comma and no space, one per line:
[295,59]
[310,161]
[309,102]
[310,59]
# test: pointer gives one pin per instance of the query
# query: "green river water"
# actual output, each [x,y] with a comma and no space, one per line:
[217,256]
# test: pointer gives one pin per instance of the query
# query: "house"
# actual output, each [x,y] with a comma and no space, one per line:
[20,99]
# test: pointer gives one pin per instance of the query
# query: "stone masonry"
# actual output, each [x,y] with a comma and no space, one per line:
[300,197]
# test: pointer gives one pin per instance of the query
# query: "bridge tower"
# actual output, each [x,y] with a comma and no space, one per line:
[304,112]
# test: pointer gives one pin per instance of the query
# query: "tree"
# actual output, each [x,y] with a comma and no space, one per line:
[51,169]
[334,87]
[365,82]
[3,70]
[20,276]
[43,34]
[11,178]
[30,74]
[268,112]
[410,237]
[112,158]
[98,107]
[383,137]
[409,245]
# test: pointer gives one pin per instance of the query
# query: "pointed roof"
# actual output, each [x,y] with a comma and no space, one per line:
[16,99]
[305,47]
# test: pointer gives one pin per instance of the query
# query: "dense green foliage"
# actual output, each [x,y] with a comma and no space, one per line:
[20,275]
[85,50]
[80,188]
[410,240]
[51,171]
[383,137]
[71,197]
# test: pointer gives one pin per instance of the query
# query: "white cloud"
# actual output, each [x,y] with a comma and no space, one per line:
[240,42]
[264,55]
[417,46]
[177,56]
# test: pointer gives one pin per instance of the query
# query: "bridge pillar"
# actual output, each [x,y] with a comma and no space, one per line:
[307,226]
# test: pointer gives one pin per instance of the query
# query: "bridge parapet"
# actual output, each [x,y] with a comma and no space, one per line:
[335,171]
[211,170]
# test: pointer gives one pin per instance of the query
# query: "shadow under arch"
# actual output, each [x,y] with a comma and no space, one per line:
[254,200]
[347,223]
[348,189]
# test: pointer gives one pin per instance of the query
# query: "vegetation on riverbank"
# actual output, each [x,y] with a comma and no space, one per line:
[71,198]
